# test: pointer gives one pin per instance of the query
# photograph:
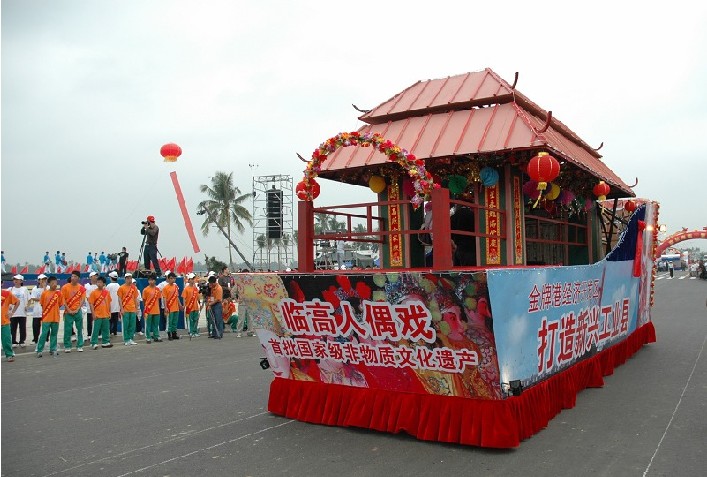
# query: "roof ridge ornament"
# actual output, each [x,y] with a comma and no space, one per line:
[547,123]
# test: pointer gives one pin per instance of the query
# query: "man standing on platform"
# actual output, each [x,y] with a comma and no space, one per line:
[47,261]
[123,262]
[50,301]
[129,300]
[74,294]
[151,232]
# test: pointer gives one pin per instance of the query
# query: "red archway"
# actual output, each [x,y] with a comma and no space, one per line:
[678,237]
[422,180]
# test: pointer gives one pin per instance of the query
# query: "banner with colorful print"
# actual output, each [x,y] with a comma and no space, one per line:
[408,332]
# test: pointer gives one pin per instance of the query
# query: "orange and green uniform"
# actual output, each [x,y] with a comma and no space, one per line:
[170,293]
[151,297]
[100,303]
[50,300]
[74,296]
[190,295]
[8,299]
[230,315]
[128,296]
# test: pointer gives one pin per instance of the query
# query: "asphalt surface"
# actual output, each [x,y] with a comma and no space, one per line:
[187,408]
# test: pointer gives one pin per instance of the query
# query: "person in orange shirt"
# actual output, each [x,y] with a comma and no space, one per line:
[230,313]
[214,305]
[151,297]
[74,294]
[50,300]
[9,305]
[190,295]
[99,303]
[170,294]
[129,298]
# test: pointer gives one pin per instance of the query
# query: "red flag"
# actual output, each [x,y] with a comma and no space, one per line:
[163,263]
[14,270]
[181,268]
[190,266]
[41,269]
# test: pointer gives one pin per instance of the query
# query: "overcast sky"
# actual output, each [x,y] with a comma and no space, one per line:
[92,89]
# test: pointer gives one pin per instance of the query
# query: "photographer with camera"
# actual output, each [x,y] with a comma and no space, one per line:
[214,306]
[151,232]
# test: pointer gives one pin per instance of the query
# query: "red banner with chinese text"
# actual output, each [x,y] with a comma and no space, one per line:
[396,246]
[517,224]
[493,227]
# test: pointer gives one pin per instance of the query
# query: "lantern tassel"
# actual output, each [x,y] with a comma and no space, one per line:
[541,187]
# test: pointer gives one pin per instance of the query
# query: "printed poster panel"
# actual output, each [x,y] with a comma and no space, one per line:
[407,332]
[546,319]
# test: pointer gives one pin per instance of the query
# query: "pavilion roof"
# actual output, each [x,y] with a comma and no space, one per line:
[472,114]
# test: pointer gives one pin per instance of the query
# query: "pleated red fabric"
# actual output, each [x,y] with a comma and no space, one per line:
[501,423]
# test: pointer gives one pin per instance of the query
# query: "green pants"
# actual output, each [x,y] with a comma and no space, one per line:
[101,327]
[51,328]
[69,320]
[7,341]
[152,327]
[194,322]
[129,319]
[172,318]
[233,321]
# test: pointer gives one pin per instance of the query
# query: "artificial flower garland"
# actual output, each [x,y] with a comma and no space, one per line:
[422,181]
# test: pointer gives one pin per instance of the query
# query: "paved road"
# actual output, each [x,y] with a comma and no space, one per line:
[188,408]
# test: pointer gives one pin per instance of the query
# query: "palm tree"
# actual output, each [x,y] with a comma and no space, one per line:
[260,240]
[224,208]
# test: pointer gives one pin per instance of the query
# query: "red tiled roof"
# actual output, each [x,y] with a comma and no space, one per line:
[473,113]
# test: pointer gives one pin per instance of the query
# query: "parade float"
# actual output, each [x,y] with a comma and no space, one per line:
[484,353]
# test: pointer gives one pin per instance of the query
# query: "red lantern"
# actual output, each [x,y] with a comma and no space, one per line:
[170,152]
[630,206]
[543,168]
[601,190]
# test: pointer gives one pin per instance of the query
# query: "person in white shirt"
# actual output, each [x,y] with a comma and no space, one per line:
[19,317]
[112,288]
[163,318]
[37,306]
[93,276]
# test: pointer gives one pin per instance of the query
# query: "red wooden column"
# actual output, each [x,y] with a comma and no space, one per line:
[305,238]
[441,229]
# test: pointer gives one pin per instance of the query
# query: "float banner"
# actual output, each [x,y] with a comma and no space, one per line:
[408,332]
[546,319]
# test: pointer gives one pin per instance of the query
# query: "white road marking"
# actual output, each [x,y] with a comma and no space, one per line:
[207,448]
[645,472]
[157,444]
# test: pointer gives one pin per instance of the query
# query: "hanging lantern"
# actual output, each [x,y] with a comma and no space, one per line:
[601,190]
[630,206]
[376,184]
[543,168]
[170,152]
[554,192]
[489,176]
[457,184]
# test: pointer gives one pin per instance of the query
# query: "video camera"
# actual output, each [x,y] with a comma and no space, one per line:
[113,256]
[204,289]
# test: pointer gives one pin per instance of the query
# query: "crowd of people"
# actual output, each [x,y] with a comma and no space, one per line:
[105,303]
